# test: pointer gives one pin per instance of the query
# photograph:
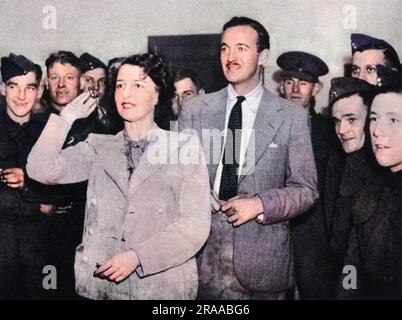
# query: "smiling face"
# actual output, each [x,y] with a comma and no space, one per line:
[349,115]
[136,94]
[63,84]
[299,91]
[21,93]
[386,130]
[240,57]
[364,64]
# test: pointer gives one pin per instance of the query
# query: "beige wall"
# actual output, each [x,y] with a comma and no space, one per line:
[120,27]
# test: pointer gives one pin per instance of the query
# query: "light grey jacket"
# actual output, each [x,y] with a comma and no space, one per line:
[162,213]
[282,174]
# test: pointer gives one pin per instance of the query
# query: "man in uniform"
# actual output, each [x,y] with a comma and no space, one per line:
[23,204]
[300,84]
[94,75]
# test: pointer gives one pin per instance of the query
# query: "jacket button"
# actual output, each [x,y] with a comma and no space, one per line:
[85,259]
[91,231]
[93,202]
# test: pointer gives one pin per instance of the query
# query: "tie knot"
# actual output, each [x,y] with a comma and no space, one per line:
[240,99]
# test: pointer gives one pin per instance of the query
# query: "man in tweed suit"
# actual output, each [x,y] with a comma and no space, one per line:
[248,254]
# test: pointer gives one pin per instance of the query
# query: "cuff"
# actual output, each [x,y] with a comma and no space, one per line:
[66,118]
[269,205]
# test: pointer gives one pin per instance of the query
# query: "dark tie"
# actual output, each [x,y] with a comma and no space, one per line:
[231,155]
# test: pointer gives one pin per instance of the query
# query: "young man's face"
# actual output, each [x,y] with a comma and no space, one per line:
[21,93]
[63,84]
[299,91]
[386,130]
[349,115]
[240,57]
[364,65]
[185,89]
[96,79]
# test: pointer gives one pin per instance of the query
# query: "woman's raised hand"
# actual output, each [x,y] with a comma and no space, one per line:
[81,107]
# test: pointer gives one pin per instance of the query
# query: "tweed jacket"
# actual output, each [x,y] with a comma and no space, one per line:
[282,174]
[162,212]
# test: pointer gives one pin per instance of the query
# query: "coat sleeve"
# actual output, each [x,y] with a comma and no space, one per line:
[181,240]
[300,190]
[49,164]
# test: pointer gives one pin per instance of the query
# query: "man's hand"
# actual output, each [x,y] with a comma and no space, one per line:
[119,267]
[80,107]
[242,209]
[46,209]
[13,177]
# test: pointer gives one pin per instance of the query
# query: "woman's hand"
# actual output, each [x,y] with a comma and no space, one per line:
[119,267]
[13,177]
[81,107]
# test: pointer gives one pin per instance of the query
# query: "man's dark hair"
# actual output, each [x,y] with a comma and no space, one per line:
[154,67]
[367,97]
[263,35]
[187,73]
[37,70]
[63,57]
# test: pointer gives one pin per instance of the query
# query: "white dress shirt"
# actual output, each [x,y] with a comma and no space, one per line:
[249,111]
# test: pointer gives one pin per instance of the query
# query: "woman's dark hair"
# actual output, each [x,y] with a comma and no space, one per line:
[155,68]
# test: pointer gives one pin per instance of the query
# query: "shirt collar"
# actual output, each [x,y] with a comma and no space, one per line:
[253,98]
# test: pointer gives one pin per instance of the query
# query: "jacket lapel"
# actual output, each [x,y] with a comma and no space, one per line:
[267,123]
[115,162]
[213,117]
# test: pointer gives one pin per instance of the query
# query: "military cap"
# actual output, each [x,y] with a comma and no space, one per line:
[89,62]
[362,42]
[17,65]
[115,62]
[301,65]
[342,87]
[387,77]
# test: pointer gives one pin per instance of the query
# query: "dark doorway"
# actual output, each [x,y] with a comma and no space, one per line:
[199,53]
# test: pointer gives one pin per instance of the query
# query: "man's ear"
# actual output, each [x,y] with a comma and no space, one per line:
[41,88]
[316,89]
[281,89]
[201,91]
[2,88]
[47,83]
[263,58]
[82,83]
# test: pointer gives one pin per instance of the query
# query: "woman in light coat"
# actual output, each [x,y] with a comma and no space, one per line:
[148,209]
